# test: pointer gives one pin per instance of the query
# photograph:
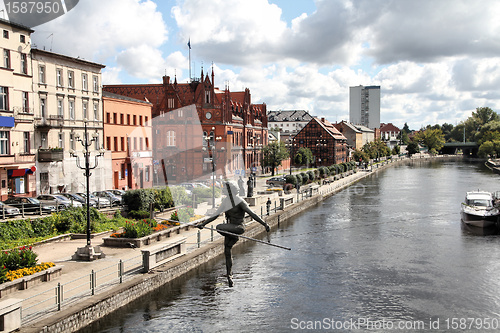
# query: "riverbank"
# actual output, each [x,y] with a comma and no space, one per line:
[86,310]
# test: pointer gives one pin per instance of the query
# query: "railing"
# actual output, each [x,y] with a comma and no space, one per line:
[50,121]
[64,295]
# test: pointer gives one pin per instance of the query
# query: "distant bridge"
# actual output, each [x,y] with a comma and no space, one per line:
[468,148]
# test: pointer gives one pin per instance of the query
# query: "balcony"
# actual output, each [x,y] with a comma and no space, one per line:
[50,155]
[23,115]
[50,121]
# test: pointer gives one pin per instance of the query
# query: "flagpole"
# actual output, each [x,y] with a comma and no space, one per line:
[189,46]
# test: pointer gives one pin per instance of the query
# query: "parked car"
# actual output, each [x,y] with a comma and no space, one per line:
[59,201]
[115,201]
[100,202]
[30,205]
[77,198]
[276,181]
[8,211]
[118,193]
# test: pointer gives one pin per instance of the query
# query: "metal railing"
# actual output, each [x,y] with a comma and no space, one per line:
[73,291]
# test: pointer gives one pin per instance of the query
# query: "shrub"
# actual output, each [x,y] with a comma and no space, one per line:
[288,187]
[139,199]
[136,229]
[305,178]
[179,195]
[291,179]
[163,198]
[185,214]
[311,176]
[138,214]
[299,179]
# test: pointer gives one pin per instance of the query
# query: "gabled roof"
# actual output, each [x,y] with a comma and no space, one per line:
[350,126]
[364,128]
[388,128]
[291,115]
[330,128]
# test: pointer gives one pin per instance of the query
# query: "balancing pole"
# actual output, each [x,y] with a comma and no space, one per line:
[230,234]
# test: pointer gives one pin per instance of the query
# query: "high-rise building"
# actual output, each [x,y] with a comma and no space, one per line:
[364,106]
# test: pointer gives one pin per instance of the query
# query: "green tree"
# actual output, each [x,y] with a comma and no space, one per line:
[396,150]
[273,154]
[412,148]
[432,138]
[303,156]
[360,155]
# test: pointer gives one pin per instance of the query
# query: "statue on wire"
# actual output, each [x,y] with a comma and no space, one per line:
[234,208]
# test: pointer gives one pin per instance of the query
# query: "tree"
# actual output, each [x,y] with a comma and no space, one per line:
[396,150]
[273,154]
[406,129]
[412,148]
[360,156]
[303,156]
[432,138]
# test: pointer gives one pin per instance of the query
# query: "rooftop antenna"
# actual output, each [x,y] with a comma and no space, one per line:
[51,40]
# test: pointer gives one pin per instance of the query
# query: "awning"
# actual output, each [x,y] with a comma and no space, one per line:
[6,121]
[20,172]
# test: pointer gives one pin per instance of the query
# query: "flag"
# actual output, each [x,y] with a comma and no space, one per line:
[189,43]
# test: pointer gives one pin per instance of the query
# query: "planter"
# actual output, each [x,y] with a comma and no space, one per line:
[29,280]
[143,241]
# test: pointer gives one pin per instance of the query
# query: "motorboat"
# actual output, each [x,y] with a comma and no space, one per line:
[480,209]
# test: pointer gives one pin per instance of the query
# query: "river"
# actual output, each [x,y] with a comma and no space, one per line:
[389,250]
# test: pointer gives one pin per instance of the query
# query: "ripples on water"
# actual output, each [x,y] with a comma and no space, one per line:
[390,247]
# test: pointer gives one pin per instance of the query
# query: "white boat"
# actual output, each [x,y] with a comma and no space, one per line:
[480,210]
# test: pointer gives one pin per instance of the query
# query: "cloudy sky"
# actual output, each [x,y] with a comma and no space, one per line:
[435,60]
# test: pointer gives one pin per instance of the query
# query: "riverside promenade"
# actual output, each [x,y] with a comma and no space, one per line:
[88,291]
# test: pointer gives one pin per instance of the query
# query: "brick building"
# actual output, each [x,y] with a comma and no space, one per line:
[326,143]
[196,123]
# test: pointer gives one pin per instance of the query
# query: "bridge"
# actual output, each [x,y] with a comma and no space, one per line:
[468,148]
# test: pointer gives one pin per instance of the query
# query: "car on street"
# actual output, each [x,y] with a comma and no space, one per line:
[115,201]
[118,193]
[59,201]
[99,202]
[276,181]
[30,205]
[8,211]
[77,198]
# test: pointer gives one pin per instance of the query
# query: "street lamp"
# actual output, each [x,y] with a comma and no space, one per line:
[87,252]
[212,150]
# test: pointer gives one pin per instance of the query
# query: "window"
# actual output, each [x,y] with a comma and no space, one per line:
[4,143]
[26,140]
[71,82]
[97,146]
[26,103]
[60,141]
[96,111]
[6,58]
[122,142]
[123,170]
[60,108]
[95,81]
[135,120]
[135,143]
[41,74]
[108,118]
[128,119]
[121,118]
[24,63]
[147,143]
[59,77]
[72,141]
[85,105]
[71,107]
[180,114]
[140,120]
[170,138]
[115,118]
[146,120]
[85,83]
[43,139]
[141,144]
[147,173]
[170,103]
[207,96]
[22,38]
[6,34]
[115,144]
[4,98]
[43,107]
[108,143]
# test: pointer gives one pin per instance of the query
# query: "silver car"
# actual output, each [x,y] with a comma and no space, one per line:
[8,211]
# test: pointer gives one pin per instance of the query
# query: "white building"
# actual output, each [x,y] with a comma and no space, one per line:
[288,123]
[66,92]
[364,106]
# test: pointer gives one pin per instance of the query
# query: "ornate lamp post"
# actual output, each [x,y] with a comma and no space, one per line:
[88,252]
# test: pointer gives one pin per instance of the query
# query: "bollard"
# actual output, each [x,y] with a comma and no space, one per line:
[199,238]
[261,212]
[275,206]
[211,233]
[279,220]
[22,208]
[92,282]
[3,212]
[41,211]
[59,296]
[120,270]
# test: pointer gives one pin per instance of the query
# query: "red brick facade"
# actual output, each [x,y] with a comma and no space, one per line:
[185,115]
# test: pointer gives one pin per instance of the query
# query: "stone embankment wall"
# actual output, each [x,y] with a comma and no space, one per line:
[96,307]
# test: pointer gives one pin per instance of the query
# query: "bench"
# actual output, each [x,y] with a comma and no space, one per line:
[160,254]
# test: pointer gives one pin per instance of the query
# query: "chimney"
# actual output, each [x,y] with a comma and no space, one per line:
[323,120]
[166,80]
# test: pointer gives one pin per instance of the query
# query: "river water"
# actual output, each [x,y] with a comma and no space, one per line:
[390,252]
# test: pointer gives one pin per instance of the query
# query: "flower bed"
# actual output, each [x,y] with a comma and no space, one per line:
[29,281]
[118,240]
